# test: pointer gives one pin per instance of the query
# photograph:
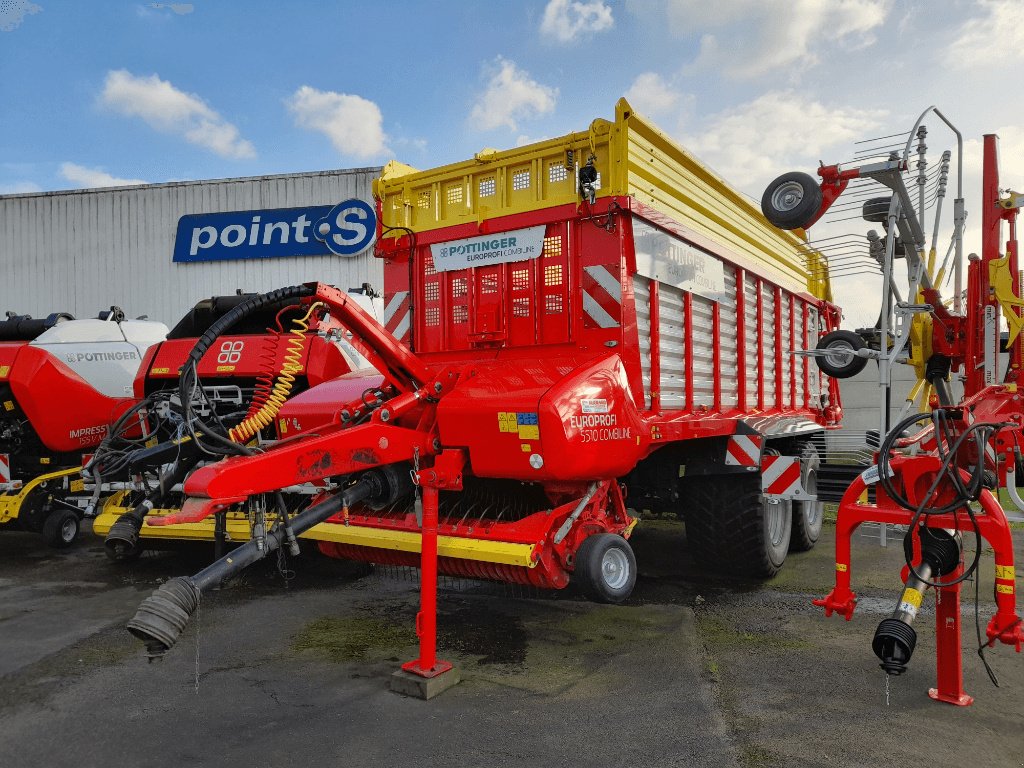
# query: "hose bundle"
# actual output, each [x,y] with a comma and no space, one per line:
[265,405]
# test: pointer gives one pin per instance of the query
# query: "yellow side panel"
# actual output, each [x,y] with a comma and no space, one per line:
[633,158]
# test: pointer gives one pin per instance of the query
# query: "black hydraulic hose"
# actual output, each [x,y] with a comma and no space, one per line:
[189,376]
[122,540]
[162,617]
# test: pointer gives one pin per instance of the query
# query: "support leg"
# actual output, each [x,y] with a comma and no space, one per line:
[949,666]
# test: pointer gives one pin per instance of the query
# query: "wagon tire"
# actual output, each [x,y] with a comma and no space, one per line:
[840,360]
[731,528]
[605,568]
[807,515]
[792,201]
[61,528]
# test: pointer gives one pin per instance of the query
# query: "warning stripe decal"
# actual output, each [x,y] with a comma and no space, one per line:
[5,468]
[602,296]
[743,451]
[780,475]
[397,315]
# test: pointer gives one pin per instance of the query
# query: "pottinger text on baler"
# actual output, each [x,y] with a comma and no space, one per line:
[938,469]
[568,325]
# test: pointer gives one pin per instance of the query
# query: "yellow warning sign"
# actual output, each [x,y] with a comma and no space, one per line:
[77,486]
[157,371]
[1005,572]
[9,405]
[225,368]
[913,597]
[526,447]
[529,432]
[1005,589]
[507,421]
[4,371]
[842,567]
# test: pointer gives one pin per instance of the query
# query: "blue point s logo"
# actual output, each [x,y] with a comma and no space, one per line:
[348,228]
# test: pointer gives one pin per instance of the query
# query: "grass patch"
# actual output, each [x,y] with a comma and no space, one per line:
[718,633]
[355,638]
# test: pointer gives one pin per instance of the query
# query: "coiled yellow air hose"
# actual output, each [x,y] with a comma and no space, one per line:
[291,365]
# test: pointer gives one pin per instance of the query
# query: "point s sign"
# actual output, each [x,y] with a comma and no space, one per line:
[344,229]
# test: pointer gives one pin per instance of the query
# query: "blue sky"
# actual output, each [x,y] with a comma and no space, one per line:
[100,93]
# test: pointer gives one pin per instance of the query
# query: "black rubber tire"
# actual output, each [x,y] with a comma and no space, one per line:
[807,515]
[792,201]
[730,528]
[841,362]
[61,528]
[605,568]
[876,210]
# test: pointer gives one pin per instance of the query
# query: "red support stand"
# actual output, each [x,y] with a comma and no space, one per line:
[427,665]
[949,665]
[1005,626]
[428,676]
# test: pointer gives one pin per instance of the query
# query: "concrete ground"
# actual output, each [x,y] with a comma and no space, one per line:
[694,671]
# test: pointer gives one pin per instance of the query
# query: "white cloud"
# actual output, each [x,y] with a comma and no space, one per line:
[94,177]
[19,188]
[169,110]
[568,20]
[780,131]
[511,96]
[13,12]
[1001,29]
[650,94]
[353,124]
[748,38]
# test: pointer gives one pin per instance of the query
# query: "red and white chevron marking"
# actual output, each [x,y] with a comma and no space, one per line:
[780,475]
[397,315]
[602,297]
[743,451]
[5,468]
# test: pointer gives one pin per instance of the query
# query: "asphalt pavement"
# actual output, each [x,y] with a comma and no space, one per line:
[695,670]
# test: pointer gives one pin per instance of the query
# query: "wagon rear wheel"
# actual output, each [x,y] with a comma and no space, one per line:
[807,515]
[731,528]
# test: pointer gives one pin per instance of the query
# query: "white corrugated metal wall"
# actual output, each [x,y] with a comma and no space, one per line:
[82,251]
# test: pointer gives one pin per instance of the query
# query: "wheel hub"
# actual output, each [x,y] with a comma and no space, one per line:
[788,196]
[614,569]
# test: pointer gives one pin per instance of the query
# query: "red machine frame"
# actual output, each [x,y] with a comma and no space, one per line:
[963,339]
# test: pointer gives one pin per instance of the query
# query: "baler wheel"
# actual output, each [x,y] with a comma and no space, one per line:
[605,568]
[731,528]
[807,515]
[61,528]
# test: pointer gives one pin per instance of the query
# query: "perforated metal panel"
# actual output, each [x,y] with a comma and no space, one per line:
[728,344]
[642,297]
[672,359]
[768,345]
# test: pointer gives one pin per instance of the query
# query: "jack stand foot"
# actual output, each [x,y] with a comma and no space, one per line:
[963,700]
[409,684]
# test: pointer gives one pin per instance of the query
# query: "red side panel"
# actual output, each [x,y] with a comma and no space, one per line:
[319,405]
[248,357]
[579,418]
[65,411]
[8,351]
